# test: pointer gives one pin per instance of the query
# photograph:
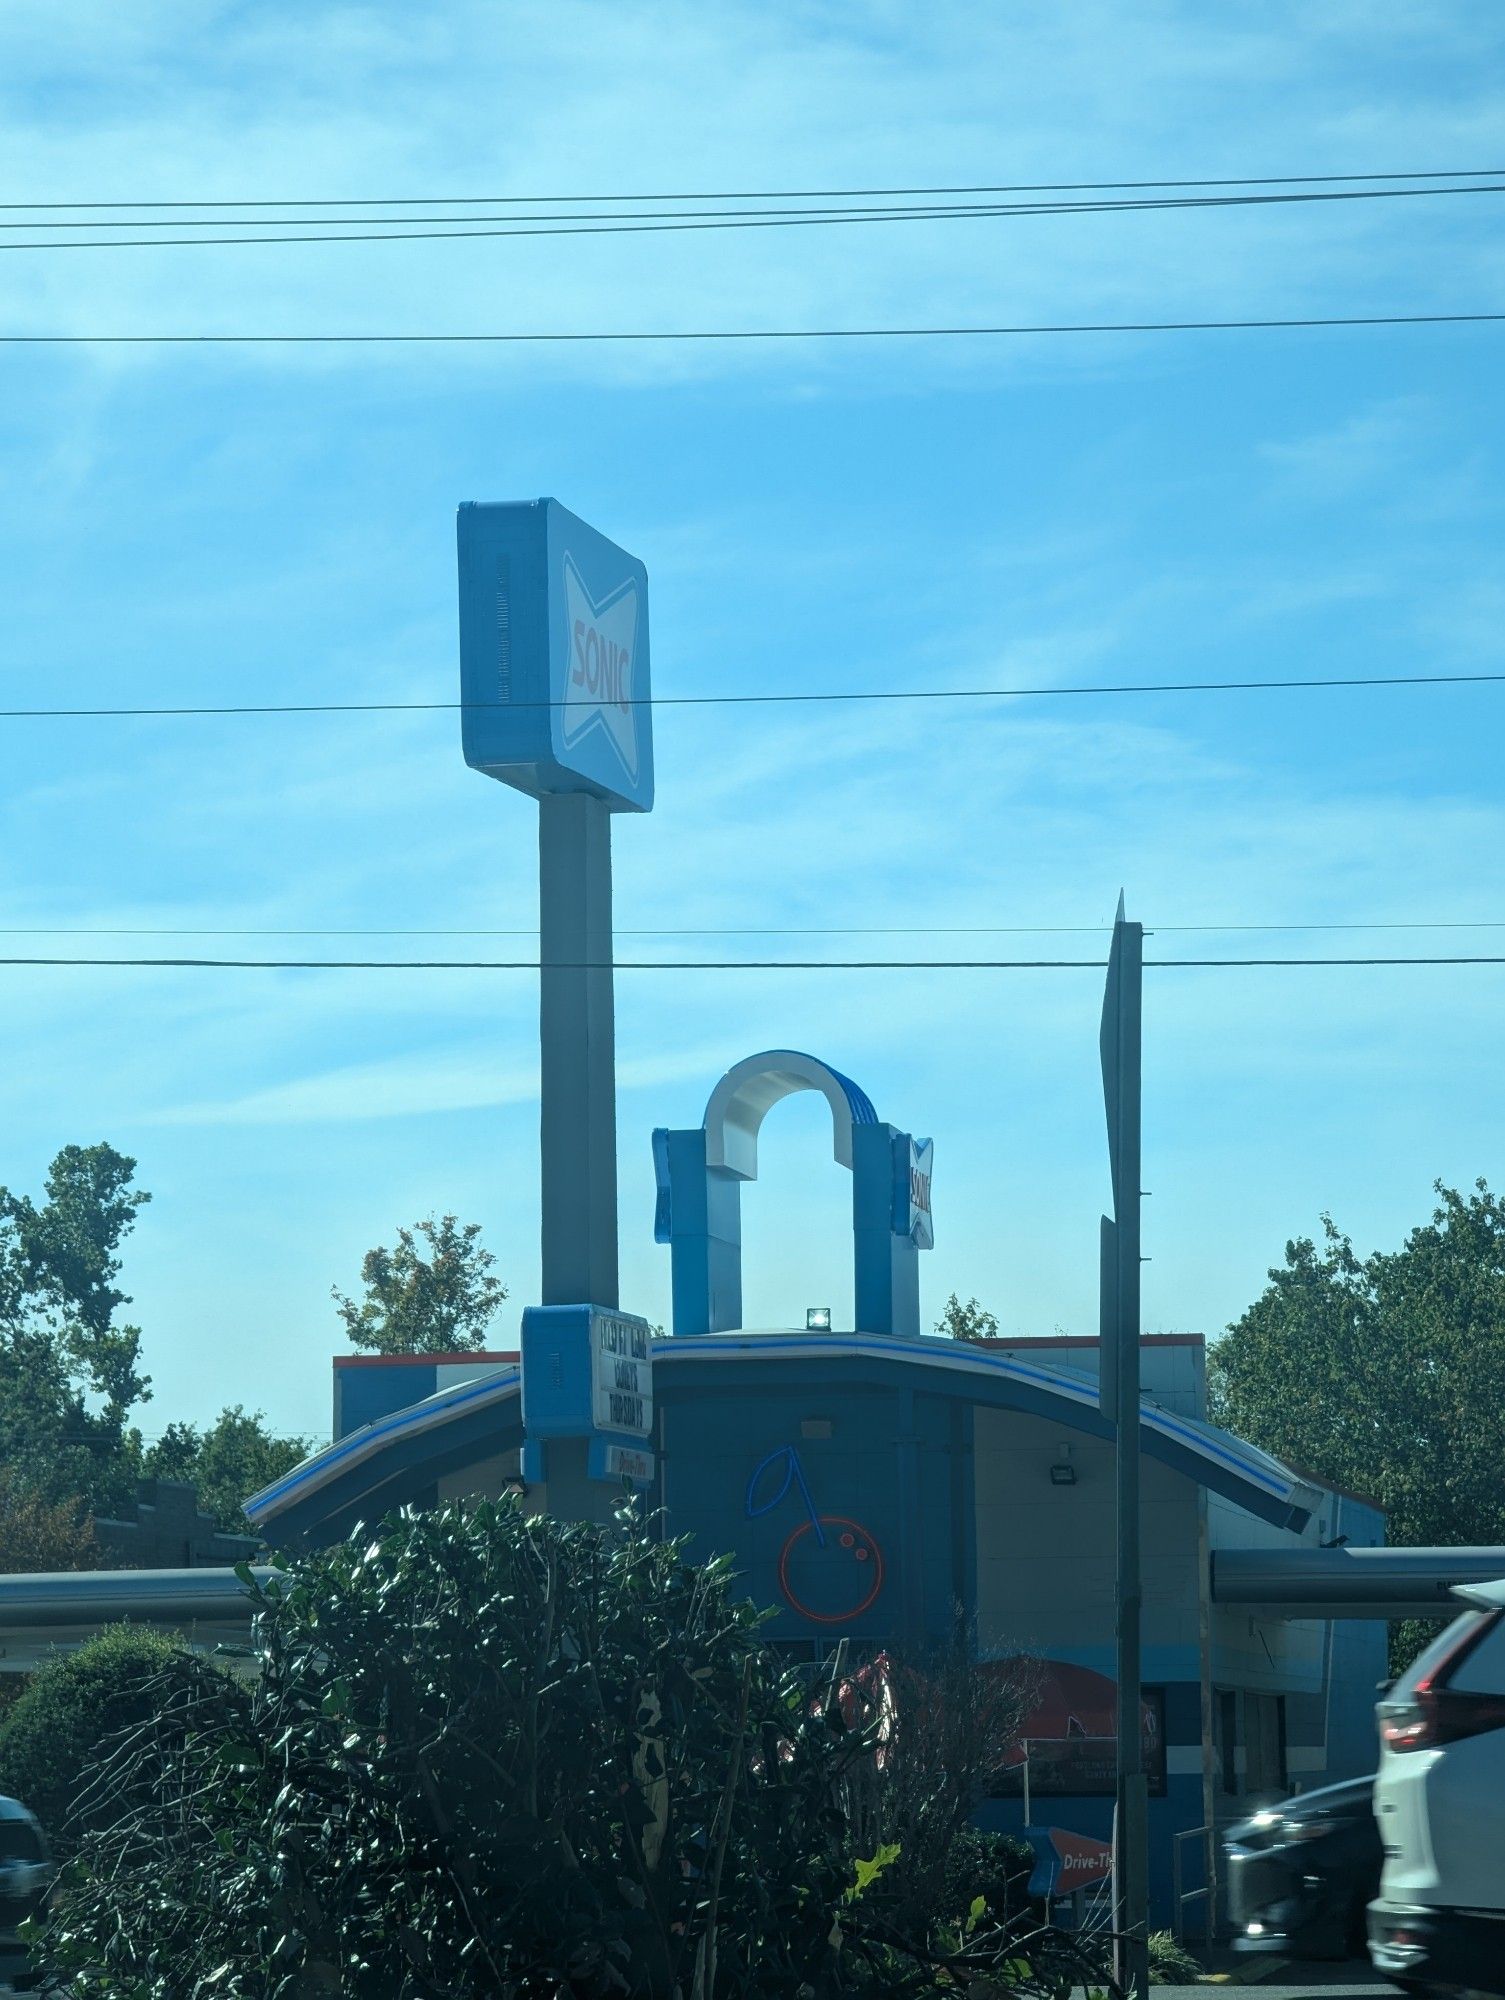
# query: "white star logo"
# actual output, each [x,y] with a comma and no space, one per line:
[602,650]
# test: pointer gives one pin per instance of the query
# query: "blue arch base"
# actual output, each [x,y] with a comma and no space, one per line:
[700,1172]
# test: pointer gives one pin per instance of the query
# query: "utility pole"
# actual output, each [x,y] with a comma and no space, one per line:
[1119,1046]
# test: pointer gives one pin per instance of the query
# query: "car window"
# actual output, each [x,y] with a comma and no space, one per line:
[1444,1644]
[1482,1668]
[18,1841]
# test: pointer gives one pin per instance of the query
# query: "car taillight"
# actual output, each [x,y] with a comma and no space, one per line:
[1431,1712]
[1436,1715]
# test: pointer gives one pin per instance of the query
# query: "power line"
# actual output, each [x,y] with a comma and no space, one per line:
[737,930]
[671,335]
[797,698]
[678,223]
[720,964]
[772,194]
[617,221]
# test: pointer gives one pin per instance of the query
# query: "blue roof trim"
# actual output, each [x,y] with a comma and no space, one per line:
[858,1102]
[430,1414]
[429,1430]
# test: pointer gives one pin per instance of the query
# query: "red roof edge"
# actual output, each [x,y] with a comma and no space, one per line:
[1083,1340]
[421,1360]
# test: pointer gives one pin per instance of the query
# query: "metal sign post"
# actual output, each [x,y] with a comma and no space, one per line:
[1119,1046]
[577,1044]
[555,681]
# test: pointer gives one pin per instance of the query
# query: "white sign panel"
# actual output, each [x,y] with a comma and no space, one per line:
[921,1166]
[621,1376]
[620,1461]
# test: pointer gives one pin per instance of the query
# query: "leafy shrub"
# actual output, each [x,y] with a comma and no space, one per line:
[988,1865]
[75,1705]
[1171,1961]
[490,1757]
[487,1755]
[945,1725]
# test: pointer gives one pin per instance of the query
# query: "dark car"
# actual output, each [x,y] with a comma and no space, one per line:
[1301,1874]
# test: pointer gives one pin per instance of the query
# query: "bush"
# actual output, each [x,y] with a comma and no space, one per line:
[487,1755]
[988,1865]
[499,1758]
[1171,1962]
[75,1704]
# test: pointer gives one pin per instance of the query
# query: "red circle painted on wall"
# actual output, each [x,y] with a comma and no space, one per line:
[835,1577]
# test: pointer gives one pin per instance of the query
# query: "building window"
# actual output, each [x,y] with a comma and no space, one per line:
[1265,1742]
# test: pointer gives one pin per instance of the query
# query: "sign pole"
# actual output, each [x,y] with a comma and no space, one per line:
[556,701]
[1120,1050]
[577,1112]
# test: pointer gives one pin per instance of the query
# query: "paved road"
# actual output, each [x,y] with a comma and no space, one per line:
[1362,1986]
[1288,1982]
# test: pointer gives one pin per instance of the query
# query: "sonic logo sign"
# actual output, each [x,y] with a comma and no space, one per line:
[554,668]
[914,1165]
[599,694]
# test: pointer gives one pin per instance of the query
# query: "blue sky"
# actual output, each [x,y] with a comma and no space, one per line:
[222,525]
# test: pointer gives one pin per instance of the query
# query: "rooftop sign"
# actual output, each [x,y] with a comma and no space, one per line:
[554,654]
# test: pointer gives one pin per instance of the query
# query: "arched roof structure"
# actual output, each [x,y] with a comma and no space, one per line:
[400,1456]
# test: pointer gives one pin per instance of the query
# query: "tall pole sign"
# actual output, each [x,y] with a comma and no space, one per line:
[555,693]
[1119,1045]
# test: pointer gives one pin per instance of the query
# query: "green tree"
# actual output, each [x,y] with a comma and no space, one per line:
[966,1322]
[37,1533]
[1386,1373]
[69,1369]
[230,1460]
[440,1302]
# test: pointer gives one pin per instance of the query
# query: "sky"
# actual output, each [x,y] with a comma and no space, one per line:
[222,524]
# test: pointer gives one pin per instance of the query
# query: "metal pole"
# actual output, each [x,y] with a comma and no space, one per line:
[1121,1057]
[578,1120]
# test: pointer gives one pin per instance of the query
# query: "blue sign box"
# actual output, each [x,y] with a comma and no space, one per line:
[554,654]
[588,1373]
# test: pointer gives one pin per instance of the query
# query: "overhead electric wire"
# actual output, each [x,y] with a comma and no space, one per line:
[617,221]
[798,698]
[674,222]
[769,194]
[718,964]
[730,930]
[691,334]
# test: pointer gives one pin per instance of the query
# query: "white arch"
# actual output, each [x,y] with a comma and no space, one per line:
[736,1108]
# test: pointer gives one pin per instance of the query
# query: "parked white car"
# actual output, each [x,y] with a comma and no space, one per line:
[1438,1923]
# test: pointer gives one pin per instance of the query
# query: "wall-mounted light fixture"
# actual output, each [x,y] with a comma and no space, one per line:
[1063,1472]
[817,1319]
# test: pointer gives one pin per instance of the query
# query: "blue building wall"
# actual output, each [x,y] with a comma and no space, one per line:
[368,1387]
